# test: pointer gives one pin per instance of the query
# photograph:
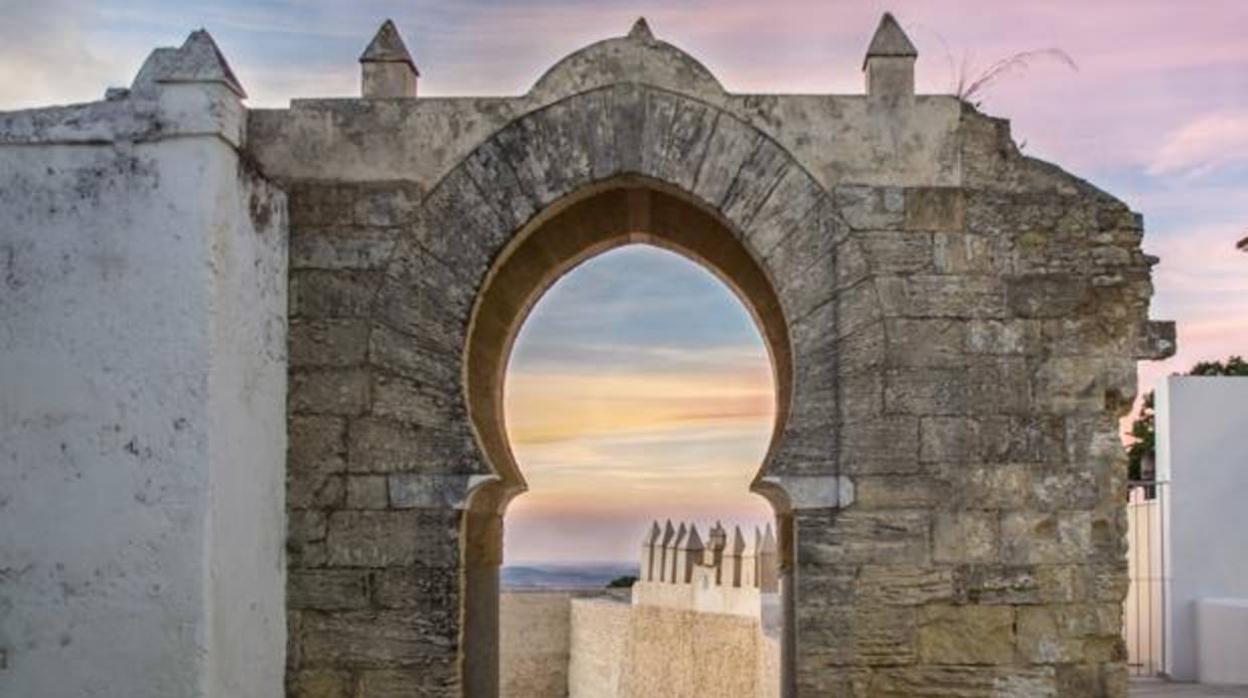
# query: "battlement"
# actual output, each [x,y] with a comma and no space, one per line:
[678,569]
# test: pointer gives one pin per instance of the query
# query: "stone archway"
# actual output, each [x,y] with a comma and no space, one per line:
[955,325]
[555,187]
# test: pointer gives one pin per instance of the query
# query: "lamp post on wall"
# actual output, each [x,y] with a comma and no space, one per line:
[1242,245]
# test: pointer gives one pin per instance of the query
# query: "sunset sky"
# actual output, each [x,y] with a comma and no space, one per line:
[616,410]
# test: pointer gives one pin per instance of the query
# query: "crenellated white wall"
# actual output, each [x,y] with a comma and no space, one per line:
[142,400]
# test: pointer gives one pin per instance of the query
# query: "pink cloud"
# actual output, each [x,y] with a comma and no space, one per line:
[1204,144]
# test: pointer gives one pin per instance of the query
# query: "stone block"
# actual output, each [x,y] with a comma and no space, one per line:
[898,491]
[964,682]
[993,485]
[340,250]
[455,207]
[960,253]
[317,444]
[953,296]
[871,208]
[882,445]
[498,182]
[1046,295]
[320,294]
[366,492]
[966,634]
[328,343]
[386,205]
[905,585]
[949,440]
[413,357]
[732,143]
[1008,337]
[965,536]
[415,402]
[856,307]
[386,446]
[861,536]
[926,342]
[926,392]
[377,638]
[897,252]
[392,538]
[421,490]
[327,590]
[1040,538]
[996,584]
[432,679]
[936,209]
[320,683]
[675,137]
[316,491]
[342,392]
[759,175]
[418,587]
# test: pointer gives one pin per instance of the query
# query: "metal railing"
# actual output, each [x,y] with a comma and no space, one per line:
[1144,611]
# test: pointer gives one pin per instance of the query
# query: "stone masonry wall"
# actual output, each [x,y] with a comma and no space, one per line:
[984,551]
[962,333]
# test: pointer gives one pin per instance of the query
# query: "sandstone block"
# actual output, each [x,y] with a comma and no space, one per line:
[316,293]
[317,444]
[392,538]
[366,492]
[871,208]
[340,250]
[935,208]
[332,343]
[376,638]
[327,590]
[966,634]
[341,392]
[897,252]
[964,536]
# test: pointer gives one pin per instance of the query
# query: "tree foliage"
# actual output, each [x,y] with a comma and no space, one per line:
[1144,428]
[625,582]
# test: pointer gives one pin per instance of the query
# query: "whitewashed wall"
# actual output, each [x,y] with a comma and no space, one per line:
[1202,423]
[142,402]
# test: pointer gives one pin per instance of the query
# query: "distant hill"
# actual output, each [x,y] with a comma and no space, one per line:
[564,575]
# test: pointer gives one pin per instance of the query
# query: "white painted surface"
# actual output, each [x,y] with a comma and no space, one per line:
[1221,629]
[142,399]
[1201,426]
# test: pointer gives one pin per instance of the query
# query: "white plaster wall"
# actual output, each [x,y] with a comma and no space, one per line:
[141,418]
[1201,422]
[247,446]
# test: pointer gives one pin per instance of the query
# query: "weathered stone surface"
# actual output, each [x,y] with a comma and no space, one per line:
[392,538]
[965,536]
[966,634]
[871,208]
[674,141]
[333,392]
[935,208]
[328,343]
[340,250]
[367,492]
[414,402]
[890,536]
[385,446]
[327,590]
[316,293]
[375,638]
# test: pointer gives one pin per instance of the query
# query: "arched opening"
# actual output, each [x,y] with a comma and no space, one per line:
[571,232]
